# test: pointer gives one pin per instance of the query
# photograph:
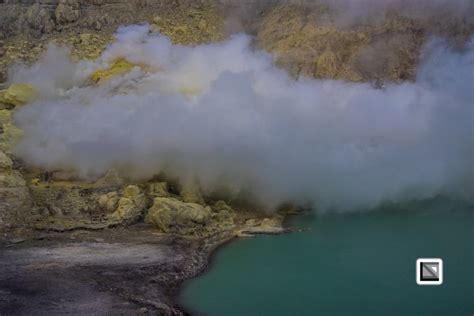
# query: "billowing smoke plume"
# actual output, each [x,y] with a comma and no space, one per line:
[222,113]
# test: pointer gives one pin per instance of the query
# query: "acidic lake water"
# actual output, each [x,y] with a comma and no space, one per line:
[352,264]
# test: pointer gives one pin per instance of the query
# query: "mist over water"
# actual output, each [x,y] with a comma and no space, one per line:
[222,113]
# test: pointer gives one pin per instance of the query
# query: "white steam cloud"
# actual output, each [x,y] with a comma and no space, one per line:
[224,114]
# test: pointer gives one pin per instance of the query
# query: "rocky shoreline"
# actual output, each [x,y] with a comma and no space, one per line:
[130,271]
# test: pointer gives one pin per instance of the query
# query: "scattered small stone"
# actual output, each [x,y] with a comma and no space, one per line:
[17,240]
[41,237]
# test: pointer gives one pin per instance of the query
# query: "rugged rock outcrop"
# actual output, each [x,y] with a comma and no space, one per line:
[15,199]
[158,189]
[192,194]
[109,201]
[308,41]
[67,11]
[263,226]
[131,205]
[9,134]
[173,216]
[16,95]
[68,205]
[58,201]
[39,18]
[26,27]
[305,38]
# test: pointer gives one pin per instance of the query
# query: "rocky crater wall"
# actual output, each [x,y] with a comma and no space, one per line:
[307,38]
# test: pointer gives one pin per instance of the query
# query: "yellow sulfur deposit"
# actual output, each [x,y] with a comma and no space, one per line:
[17,94]
[119,67]
[189,91]
[9,134]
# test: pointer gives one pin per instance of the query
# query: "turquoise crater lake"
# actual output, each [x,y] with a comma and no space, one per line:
[346,264]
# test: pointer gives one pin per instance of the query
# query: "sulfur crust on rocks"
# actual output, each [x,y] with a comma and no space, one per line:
[117,68]
[131,205]
[17,94]
[109,201]
[158,189]
[15,199]
[9,134]
[192,194]
[62,204]
[68,205]
[173,216]
[63,198]
[65,206]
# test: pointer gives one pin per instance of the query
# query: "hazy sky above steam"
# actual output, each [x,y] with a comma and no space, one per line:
[224,114]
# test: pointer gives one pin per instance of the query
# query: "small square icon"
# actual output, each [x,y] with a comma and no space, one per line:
[429,271]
